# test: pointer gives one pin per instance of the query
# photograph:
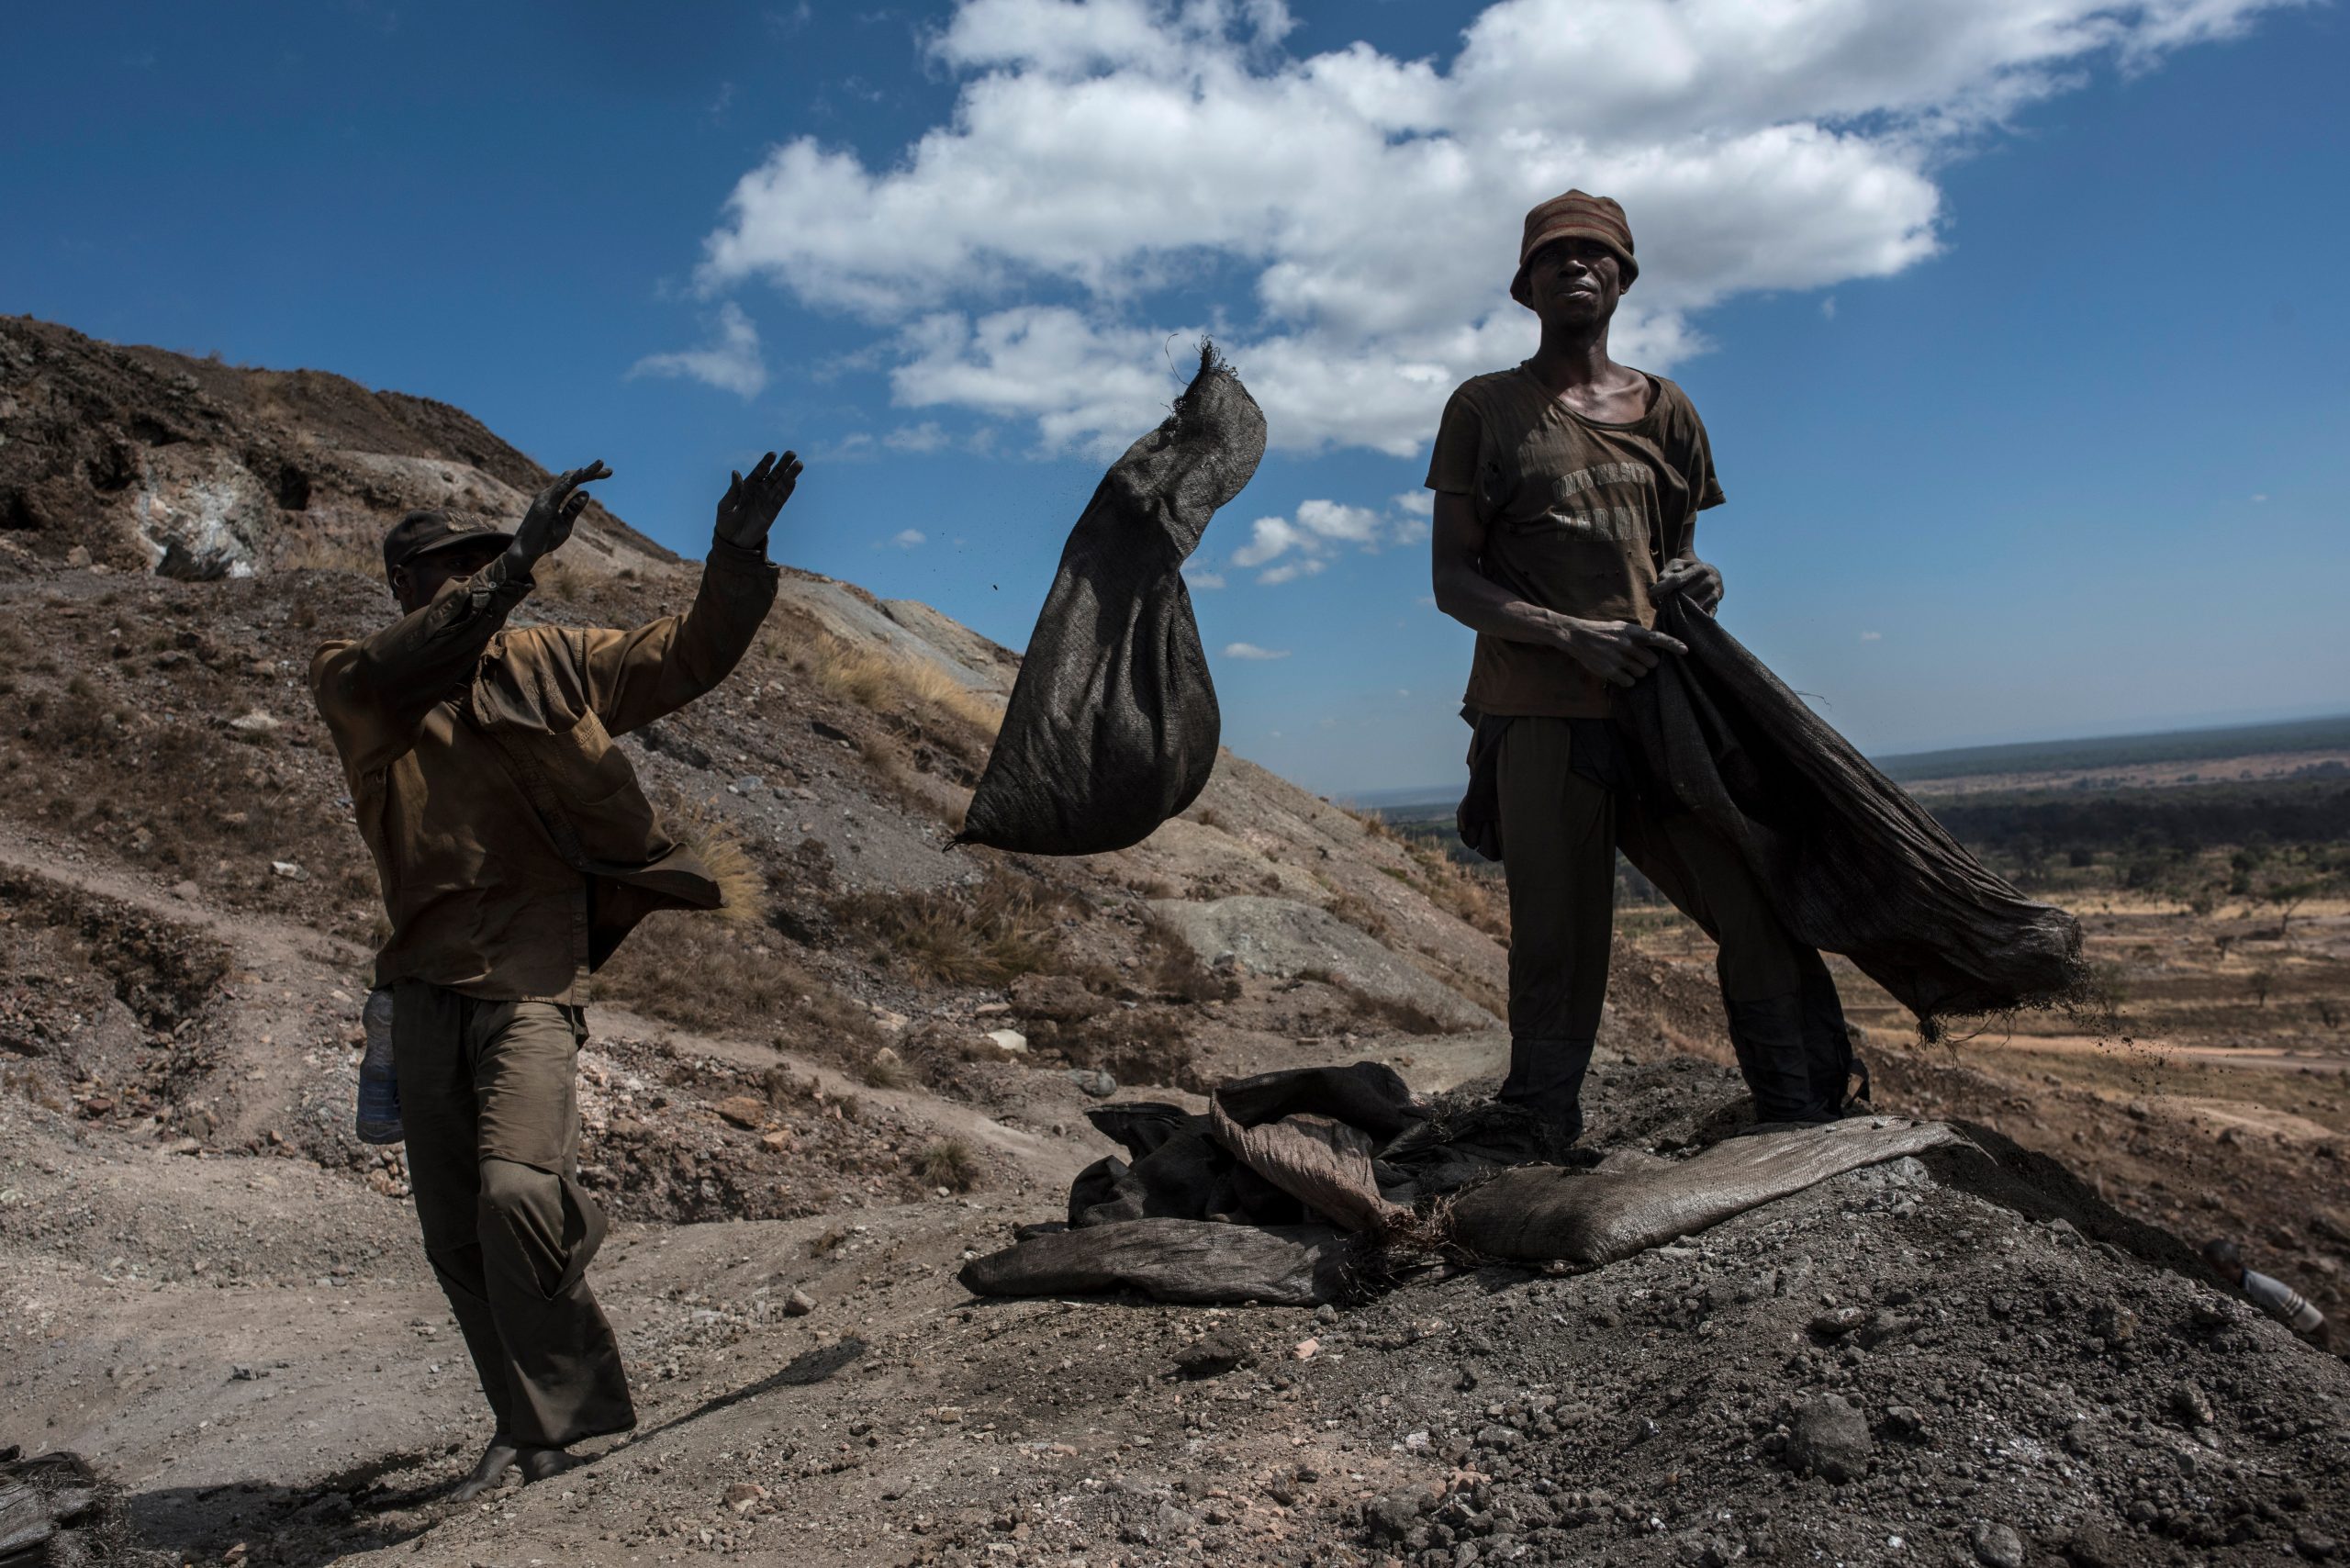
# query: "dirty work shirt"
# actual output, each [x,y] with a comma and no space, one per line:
[514,847]
[1579,518]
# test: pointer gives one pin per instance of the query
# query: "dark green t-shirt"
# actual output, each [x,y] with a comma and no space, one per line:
[1579,518]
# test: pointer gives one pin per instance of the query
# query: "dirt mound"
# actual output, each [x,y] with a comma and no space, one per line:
[671,1138]
[103,1007]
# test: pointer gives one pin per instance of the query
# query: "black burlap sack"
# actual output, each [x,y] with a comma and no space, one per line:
[1112,724]
[1851,864]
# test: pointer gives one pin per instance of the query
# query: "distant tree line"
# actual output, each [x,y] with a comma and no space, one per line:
[2329,733]
[2278,841]
[2186,816]
[2274,842]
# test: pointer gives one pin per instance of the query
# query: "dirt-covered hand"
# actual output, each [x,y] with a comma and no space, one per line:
[1699,581]
[547,524]
[748,508]
[1618,652]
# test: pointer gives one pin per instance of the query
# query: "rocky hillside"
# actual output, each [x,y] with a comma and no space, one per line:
[807,1115]
[134,459]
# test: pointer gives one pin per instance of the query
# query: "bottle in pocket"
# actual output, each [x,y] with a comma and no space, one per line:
[379,1085]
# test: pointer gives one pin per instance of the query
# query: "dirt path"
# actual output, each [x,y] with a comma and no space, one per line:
[261,941]
[2159,1052]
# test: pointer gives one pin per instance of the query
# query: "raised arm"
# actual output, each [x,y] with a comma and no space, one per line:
[375,693]
[636,676]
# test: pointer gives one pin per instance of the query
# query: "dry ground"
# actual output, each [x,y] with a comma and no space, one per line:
[2217,1103]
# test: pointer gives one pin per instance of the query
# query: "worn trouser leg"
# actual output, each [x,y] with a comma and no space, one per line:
[1826,1040]
[1559,858]
[1767,979]
[487,1096]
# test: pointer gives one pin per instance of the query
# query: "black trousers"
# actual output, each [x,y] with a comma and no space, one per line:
[1560,830]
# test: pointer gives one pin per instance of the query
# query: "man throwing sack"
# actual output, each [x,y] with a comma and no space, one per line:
[515,852]
[1567,495]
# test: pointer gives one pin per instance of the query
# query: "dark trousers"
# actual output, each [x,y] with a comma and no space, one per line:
[1559,833]
[489,1098]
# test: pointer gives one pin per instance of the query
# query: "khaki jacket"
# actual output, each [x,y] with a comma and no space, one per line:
[513,844]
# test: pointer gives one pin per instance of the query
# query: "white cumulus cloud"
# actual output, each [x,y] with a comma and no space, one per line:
[1418,509]
[924,437]
[907,538]
[1251,651]
[731,365]
[1301,546]
[1101,151]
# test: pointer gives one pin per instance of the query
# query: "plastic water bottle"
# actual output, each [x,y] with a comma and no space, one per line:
[379,1084]
[2285,1304]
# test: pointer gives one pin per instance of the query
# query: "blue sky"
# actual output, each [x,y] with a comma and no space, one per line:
[2019,327]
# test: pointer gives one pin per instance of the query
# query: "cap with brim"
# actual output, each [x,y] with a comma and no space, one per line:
[431,531]
[1574,216]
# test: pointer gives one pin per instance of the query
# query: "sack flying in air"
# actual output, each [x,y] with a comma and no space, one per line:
[1112,724]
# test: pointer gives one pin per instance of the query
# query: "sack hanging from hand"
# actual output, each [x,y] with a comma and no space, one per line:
[1112,724]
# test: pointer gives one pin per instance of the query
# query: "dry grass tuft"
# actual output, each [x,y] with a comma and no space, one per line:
[884,1070]
[1475,897]
[700,973]
[988,934]
[329,553]
[1478,899]
[1387,1012]
[566,579]
[887,763]
[718,845]
[1171,969]
[867,677]
[1358,911]
[950,1163]
[1149,1044]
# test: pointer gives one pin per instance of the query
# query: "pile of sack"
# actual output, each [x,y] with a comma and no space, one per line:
[1317,1184]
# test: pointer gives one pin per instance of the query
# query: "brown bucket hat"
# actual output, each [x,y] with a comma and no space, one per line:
[1577,215]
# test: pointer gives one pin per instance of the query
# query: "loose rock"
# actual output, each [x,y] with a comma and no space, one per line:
[1995,1545]
[1829,1439]
[743,1111]
[1212,1356]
